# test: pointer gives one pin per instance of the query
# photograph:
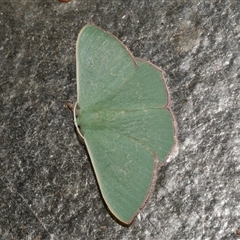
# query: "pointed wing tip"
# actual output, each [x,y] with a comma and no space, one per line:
[128,222]
[125,222]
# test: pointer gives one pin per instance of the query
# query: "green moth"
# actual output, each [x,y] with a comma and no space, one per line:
[123,116]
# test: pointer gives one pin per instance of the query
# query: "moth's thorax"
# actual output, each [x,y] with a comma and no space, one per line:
[98,118]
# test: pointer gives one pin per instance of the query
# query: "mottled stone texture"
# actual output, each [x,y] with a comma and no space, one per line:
[47,186]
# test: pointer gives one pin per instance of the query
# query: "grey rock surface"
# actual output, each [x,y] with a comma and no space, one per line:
[47,185]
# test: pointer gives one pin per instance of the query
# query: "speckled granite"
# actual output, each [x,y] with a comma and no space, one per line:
[47,186]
